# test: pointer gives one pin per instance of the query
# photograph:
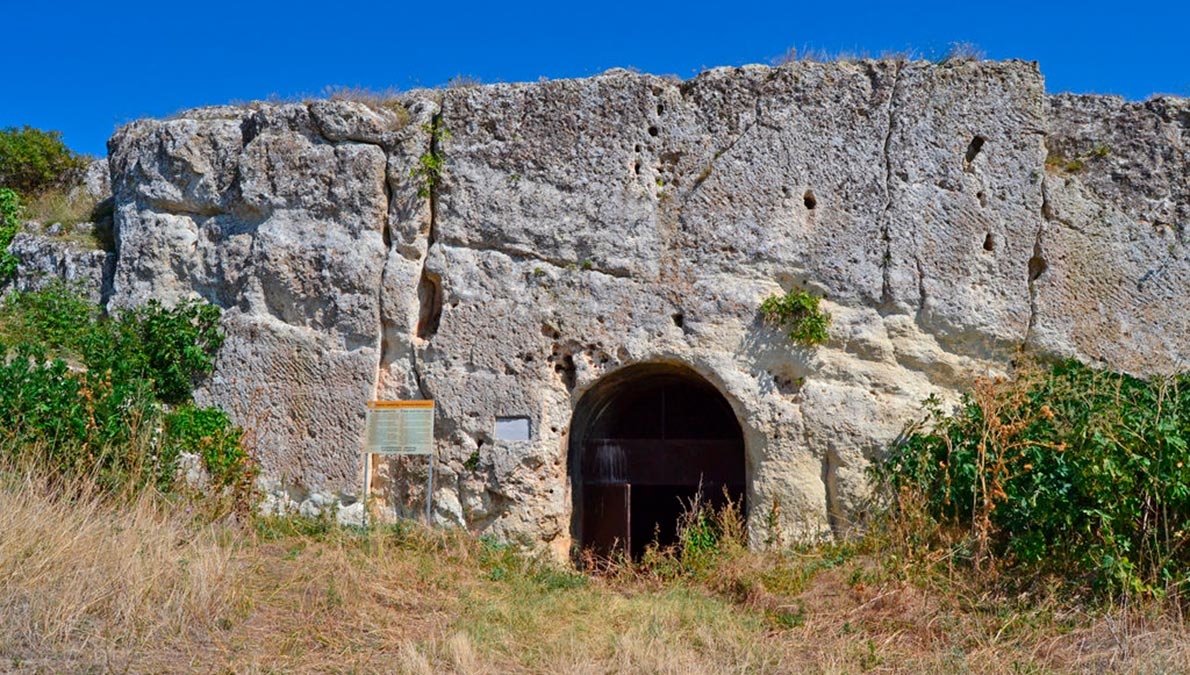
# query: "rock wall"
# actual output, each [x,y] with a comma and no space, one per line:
[951,215]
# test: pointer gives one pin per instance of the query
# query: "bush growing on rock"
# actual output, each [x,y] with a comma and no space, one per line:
[10,214]
[1075,472]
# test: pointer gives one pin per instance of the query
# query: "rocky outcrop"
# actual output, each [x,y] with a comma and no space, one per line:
[71,254]
[79,254]
[581,226]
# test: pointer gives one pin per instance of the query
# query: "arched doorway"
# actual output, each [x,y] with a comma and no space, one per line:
[643,442]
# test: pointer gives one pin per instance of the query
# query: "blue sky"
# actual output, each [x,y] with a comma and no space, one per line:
[84,68]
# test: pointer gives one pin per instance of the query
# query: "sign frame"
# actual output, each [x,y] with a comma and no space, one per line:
[418,412]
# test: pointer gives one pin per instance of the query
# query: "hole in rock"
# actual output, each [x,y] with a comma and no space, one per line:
[565,369]
[1037,267]
[679,319]
[653,131]
[644,442]
[809,200]
[988,243]
[973,149]
[429,305]
[660,109]
[982,197]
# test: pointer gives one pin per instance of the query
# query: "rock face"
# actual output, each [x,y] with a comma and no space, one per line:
[73,255]
[580,228]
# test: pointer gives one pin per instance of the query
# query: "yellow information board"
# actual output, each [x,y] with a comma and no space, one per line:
[400,428]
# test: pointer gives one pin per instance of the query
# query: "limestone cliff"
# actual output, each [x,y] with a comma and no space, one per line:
[951,215]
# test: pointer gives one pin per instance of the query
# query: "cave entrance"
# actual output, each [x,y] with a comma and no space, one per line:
[643,443]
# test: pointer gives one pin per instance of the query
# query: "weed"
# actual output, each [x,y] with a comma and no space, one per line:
[430,165]
[1056,162]
[787,618]
[798,311]
[463,82]
[964,51]
[472,461]
[386,99]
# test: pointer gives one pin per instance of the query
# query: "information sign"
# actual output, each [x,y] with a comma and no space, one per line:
[400,427]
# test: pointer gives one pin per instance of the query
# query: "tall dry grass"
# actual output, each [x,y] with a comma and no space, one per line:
[83,574]
[136,584]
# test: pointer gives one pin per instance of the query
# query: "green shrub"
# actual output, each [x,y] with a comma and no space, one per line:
[209,434]
[177,345]
[33,161]
[108,414]
[799,312]
[51,318]
[1076,472]
[10,219]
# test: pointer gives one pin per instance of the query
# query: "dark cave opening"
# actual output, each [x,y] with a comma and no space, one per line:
[644,443]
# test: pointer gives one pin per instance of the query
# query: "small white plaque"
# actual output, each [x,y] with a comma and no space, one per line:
[512,428]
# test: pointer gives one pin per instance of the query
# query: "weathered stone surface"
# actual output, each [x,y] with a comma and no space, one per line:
[583,226]
[97,180]
[256,211]
[1112,263]
[56,252]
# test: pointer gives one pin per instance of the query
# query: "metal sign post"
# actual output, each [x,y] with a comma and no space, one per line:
[400,428]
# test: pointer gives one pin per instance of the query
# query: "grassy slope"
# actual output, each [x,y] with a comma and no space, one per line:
[144,586]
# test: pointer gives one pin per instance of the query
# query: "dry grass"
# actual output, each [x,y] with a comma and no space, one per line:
[61,206]
[81,578]
[143,586]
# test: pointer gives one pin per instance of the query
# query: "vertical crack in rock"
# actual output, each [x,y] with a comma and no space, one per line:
[429,288]
[1037,263]
[921,279]
[383,348]
[886,292]
[830,484]
[107,280]
[429,285]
